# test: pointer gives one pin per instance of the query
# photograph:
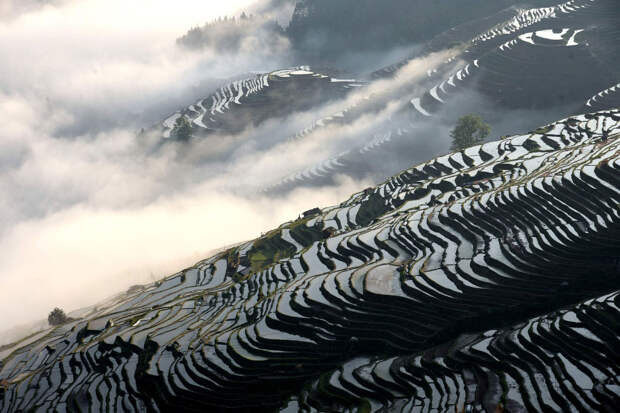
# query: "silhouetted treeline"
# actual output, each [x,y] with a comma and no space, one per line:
[228,34]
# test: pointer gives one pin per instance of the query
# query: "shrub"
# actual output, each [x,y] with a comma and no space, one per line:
[57,317]
[182,129]
[469,130]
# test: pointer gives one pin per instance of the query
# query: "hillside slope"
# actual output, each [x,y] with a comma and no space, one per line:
[359,305]
[246,103]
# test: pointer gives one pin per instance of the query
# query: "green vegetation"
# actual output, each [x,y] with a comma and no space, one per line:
[543,130]
[57,317]
[303,234]
[182,129]
[271,248]
[228,34]
[268,250]
[370,209]
[232,263]
[364,406]
[531,145]
[469,130]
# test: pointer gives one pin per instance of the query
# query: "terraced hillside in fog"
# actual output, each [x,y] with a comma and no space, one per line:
[553,61]
[246,103]
[481,279]
[541,57]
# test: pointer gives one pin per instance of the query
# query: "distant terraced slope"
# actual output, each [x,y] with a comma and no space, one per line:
[362,302]
[539,58]
[249,102]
